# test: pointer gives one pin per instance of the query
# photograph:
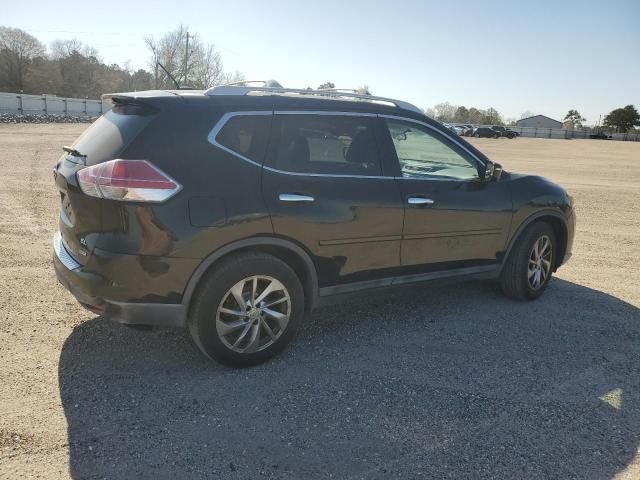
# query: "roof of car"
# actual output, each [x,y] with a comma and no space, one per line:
[265,99]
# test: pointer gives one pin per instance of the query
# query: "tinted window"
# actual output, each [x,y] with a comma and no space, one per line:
[246,135]
[327,144]
[107,137]
[422,155]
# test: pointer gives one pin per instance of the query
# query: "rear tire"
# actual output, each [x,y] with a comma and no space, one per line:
[246,309]
[526,274]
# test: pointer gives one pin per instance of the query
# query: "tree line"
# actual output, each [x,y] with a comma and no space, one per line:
[622,120]
[70,68]
[448,113]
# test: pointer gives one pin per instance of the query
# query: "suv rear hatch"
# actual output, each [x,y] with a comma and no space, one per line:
[82,217]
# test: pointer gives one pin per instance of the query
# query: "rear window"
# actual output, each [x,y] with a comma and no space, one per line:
[246,136]
[112,132]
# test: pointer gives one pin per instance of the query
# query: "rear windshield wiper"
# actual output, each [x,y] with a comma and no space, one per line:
[73,151]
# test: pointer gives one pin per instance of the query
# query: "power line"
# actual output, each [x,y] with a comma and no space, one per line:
[77,31]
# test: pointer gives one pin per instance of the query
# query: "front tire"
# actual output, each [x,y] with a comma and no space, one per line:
[247,309]
[529,267]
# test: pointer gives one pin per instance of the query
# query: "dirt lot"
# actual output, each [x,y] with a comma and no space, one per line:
[426,382]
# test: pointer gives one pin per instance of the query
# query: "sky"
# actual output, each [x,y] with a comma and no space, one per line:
[541,56]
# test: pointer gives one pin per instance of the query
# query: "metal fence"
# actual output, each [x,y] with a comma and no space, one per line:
[535,132]
[50,104]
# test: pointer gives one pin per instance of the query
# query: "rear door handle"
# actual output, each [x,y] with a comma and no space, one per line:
[295,198]
[427,202]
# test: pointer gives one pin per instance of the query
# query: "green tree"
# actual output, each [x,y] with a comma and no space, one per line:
[461,115]
[623,119]
[475,116]
[327,85]
[492,117]
[575,118]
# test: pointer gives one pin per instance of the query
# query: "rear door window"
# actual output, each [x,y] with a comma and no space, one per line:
[325,144]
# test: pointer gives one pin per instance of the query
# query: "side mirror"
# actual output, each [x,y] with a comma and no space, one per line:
[492,171]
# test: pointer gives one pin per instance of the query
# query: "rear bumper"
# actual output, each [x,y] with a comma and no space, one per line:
[92,290]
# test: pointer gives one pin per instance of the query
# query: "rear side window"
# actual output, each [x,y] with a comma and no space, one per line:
[325,144]
[108,136]
[246,136]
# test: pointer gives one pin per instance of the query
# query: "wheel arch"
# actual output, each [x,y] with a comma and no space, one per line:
[556,221]
[286,250]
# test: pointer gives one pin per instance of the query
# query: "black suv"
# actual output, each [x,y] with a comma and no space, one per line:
[504,132]
[485,132]
[236,210]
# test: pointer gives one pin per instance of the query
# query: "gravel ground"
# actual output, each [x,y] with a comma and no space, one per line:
[431,381]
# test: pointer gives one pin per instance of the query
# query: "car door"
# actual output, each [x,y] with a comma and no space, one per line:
[324,186]
[452,218]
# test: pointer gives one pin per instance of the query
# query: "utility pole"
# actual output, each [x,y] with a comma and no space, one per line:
[156,72]
[186,61]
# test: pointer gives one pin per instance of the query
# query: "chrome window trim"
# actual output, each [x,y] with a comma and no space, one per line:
[229,115]
[325,112]
[220,124]
[330,175]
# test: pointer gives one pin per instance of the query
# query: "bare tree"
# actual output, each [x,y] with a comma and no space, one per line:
[445,112]
[185,57]
[233,77]
[80,70]
[61,49]
[205,67]
[18,50]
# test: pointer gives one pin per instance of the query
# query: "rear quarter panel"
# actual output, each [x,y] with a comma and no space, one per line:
[221,189]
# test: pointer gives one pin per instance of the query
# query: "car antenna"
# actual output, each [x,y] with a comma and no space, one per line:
[170,76]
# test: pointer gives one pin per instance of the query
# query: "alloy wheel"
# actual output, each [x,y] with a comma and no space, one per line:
[540,262]
[253,314]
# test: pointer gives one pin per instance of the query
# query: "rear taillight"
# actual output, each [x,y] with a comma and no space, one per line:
[127,180]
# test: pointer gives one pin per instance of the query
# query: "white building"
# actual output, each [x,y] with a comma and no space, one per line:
[539,121]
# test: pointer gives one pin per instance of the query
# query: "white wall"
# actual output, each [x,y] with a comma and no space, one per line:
[40,104]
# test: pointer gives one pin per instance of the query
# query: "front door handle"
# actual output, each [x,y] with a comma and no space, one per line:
[427,202]
[295,198]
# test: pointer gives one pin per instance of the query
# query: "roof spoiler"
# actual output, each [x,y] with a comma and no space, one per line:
[136,97]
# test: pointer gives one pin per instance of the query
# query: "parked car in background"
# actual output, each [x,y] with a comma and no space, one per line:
[468,129]
[451,127]
[504,132]
[232,214]
[459,129]
[486,132]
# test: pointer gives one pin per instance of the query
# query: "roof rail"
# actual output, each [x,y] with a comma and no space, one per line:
[274,88]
